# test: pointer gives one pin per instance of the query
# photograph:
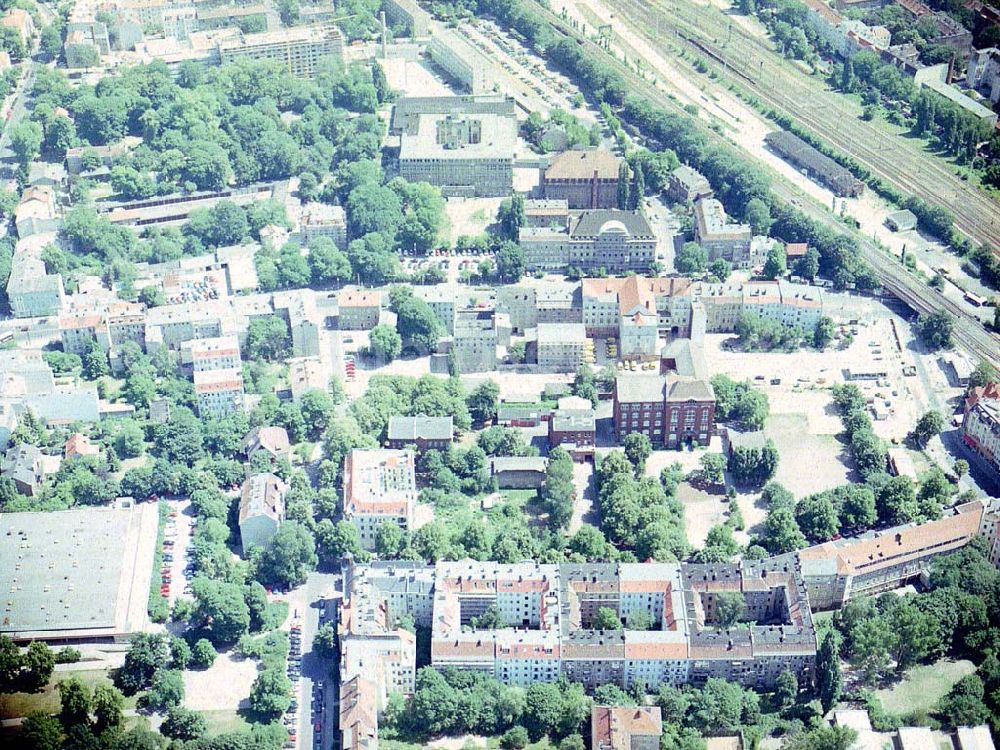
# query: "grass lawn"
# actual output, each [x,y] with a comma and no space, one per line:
[13,705]
[519,497]
[220,722]
[922,687]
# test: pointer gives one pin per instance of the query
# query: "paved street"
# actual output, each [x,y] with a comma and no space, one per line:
[312,604]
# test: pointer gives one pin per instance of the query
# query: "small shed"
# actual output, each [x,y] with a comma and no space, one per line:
[901,221]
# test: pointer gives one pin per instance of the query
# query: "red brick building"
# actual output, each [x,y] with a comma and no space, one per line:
[585,179]
[668,410]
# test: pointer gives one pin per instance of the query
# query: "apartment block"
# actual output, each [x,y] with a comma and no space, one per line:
[460,60]
[426,433]
[299,49]
[625,728]
[561,346]
[548,613]
[878,561]
[322,220]
[262,510]
[720,237]
[380,486]
[217,353]
[219,393]
[533,303]
[359,309]
[408,16]
[688,185]
[573,425]
[779,301]
[475,340]
[981,424]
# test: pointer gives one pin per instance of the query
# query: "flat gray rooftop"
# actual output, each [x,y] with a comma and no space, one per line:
[76,573]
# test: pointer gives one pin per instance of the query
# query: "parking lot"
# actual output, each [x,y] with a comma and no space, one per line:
[178,561]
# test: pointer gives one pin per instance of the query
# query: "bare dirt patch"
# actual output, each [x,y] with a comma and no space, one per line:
[220,687]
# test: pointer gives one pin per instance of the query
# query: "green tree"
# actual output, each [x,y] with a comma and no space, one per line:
[828,680]
[928,425]
[289,556]
[95,361]
[35,668]
[385,342]
[871,641]
[202,654]
[325,642]
[511,263]
[270,694]
[26,142]
[624,187]
[166,690]
[417,324]
[148,653]
[268,338]
[857,507]
[390,540]
[817,518]
[334,541]
[606,619]
[327,264]
[434,704]
[74,700]
[720,269]
[915,635]
[781,533]
[808,265]
[108,705]
[963,705]
[558,492]
[637,448]
[786,689]
[221,608]
[484,402]
[935,330]
[824,738]
[776,264]
[758,216]
[713,468]
[183,724]
[823,332]
[515,738]
[691,259]
[729,608]
[511,216]
[40,732]
[753,466]
[317,408]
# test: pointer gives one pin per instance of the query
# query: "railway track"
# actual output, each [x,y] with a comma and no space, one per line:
[766,75]
[969,332]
